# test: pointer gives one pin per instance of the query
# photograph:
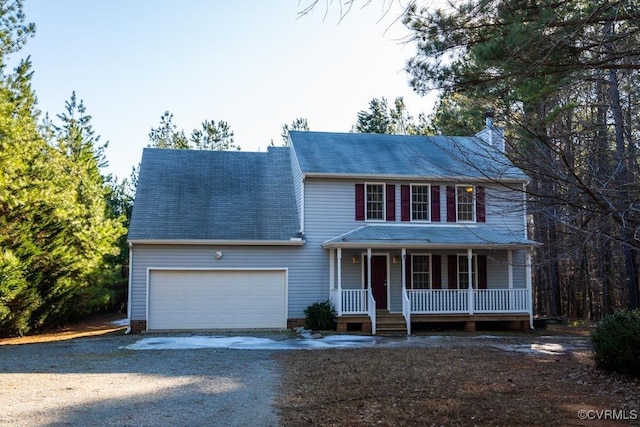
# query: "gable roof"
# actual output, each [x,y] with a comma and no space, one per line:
[383,155]
[195,195]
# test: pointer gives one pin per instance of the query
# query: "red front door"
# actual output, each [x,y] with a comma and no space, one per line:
[378,279]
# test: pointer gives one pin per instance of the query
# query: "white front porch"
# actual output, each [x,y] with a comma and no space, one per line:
[513,302]
[439,301]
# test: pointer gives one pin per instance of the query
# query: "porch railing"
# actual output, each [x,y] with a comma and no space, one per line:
[353,301]
[438,301]
[447,301]
[501,300]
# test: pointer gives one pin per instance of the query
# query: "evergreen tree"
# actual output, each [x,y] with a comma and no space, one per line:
[213,136]
[381,119]
[298,124]
[376,120]
[55,233]
[167,134]
[562,78]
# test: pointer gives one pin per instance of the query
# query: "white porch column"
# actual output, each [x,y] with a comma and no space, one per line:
[470,270]
[527,269]
[510,262]
[339,293]
[403,253]
[510,271]
[332,269]
[369,269]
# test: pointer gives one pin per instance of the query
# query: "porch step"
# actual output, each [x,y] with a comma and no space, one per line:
[390,323]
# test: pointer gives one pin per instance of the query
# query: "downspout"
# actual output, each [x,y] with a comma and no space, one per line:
[302,207]
[339,298]
[128,330]
[470,284]
[528,281]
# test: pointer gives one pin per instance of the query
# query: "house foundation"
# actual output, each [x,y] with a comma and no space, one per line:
[137,326]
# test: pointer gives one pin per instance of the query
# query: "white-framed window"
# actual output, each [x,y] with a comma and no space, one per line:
[420,202]
[463,271]
[466,203]
[421,271]
[374,202]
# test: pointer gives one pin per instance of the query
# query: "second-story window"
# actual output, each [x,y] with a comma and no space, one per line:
[375,202]
[420,206]
[465,203]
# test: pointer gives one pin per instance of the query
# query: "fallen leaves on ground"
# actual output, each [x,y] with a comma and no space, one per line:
[442,386]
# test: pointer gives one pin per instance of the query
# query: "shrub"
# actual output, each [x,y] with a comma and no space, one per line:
[320,316]
[616,342]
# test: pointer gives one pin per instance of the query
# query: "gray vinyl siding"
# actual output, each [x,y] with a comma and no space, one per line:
[330,212]
[193,256]
[329,208]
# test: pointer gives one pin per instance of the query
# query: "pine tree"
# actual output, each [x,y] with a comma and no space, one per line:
[562,77]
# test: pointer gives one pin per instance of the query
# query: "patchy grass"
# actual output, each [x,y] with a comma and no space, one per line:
[439,386]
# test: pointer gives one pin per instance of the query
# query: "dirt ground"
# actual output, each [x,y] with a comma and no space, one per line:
[466,385]
[99,324]
[454,385]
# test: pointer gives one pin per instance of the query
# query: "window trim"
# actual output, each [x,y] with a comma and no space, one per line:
[411,211]
[384,202]
[474,213]
[430,287]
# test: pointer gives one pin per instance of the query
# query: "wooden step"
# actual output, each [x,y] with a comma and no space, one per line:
[390,323]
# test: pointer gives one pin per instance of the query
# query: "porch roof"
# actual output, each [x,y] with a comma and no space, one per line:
[434,237]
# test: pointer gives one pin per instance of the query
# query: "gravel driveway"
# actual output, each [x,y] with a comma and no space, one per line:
[94,381]
[98,381]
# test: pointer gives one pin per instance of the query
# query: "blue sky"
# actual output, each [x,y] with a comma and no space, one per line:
[255,64]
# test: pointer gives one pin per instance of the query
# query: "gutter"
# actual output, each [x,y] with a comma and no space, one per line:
[435,178]
[294,241]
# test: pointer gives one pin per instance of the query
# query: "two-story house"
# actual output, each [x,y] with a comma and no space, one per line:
[393,229]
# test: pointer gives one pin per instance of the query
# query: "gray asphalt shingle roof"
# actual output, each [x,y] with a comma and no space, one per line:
[412,236]
[214,195]
[400,155]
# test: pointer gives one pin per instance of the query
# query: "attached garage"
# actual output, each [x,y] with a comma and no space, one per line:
[217,299]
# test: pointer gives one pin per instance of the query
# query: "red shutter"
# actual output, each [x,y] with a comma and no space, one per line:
[451,203]
[405,202]
[359,202]
[482,272]
[480,211]
[436,272]
[391,202]
[435,203]
[452,271]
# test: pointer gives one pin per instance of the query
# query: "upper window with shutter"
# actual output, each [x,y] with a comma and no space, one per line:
[375,202]
[420,206]
[465,203]
[420,203]
[374,196]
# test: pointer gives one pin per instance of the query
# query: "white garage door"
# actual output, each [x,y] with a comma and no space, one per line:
[229,299]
